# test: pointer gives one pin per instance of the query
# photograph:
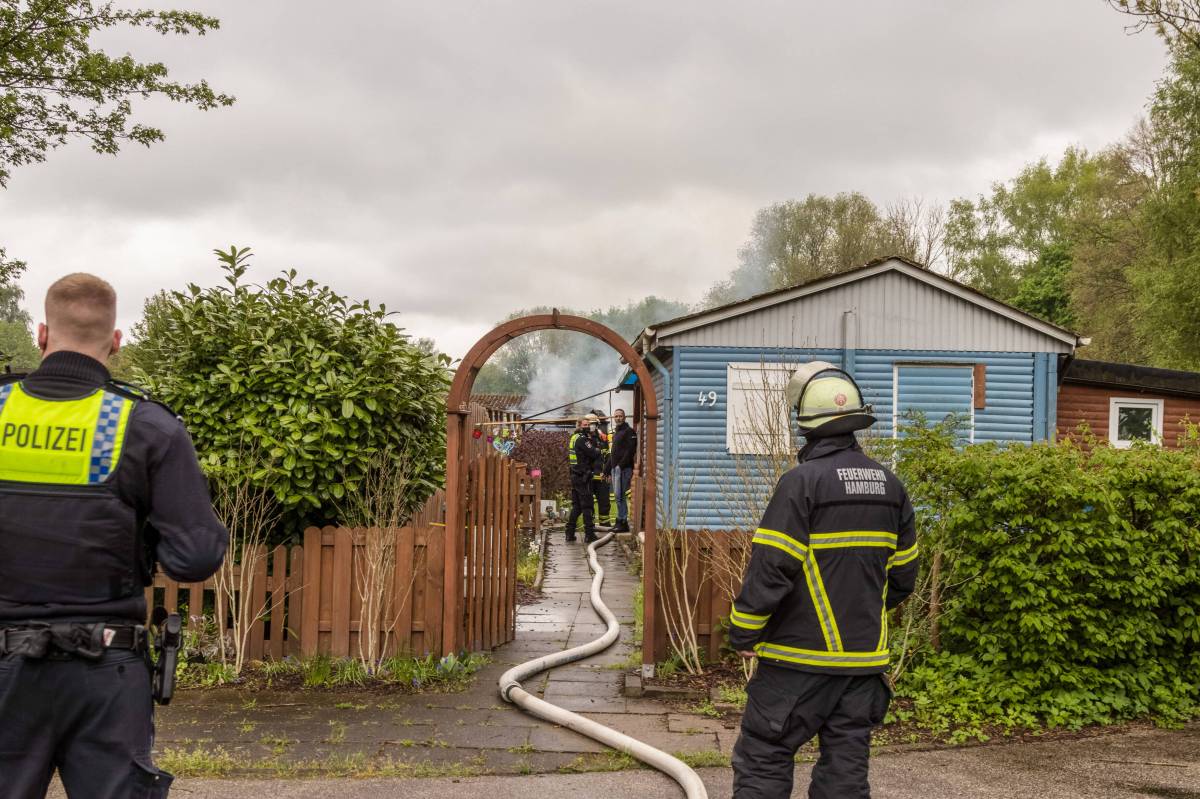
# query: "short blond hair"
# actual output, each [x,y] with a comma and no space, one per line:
[81,310]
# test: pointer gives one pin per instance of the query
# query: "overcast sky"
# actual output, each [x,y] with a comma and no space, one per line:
[458,161]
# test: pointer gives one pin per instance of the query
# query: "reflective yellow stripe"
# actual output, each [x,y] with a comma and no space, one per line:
[812,576]
[747,621]
[781,541]
[825,606]
[815,657]
[854,538]
[883,625]
[904,556]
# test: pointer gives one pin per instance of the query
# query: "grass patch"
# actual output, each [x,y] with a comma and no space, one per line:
[707,708]
[705,759]
[733,694]
[321,672]
[528,562]
[218,762]
[603,761]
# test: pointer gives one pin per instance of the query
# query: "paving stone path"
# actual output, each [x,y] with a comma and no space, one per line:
[474,728]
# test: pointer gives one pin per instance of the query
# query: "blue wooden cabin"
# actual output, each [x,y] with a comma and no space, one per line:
[913,339]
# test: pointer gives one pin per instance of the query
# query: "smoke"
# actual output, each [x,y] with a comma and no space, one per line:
[559,380]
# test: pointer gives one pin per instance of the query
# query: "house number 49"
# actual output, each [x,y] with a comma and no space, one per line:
[708,398]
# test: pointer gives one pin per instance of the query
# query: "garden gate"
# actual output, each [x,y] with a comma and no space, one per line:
[475,490]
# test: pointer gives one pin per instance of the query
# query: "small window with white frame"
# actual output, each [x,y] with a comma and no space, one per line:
[757,418]
[1134,419]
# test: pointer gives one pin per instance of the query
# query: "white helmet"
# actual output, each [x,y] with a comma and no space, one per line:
[827,400]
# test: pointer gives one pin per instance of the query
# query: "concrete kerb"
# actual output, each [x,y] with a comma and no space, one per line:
[541,572]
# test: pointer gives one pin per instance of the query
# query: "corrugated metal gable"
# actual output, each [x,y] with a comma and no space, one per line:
[891,311]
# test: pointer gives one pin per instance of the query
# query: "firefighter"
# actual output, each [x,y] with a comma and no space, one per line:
[98,482]
[583,453]
[835,551]
[602,479]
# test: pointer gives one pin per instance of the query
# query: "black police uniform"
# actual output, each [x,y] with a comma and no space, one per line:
[585,459]
[75,689]
[836,549]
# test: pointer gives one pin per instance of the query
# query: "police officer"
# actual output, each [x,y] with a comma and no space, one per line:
[96,481]
[585,458]
[836,550]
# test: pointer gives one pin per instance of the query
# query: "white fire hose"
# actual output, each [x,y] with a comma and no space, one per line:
[511,691]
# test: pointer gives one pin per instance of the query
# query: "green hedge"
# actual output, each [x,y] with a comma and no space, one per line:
[1071,584]
[296,389]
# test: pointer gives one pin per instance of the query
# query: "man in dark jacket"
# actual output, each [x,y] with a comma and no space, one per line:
[98,481]
[621,461]
[835,551]
[583,453]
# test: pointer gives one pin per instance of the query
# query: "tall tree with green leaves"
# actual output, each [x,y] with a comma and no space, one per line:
[56,85]
[1167,276]
[797,241]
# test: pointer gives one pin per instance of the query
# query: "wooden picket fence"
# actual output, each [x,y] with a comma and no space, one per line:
[309,594]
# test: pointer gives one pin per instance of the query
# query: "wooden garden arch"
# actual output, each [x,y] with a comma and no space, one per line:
[456,461]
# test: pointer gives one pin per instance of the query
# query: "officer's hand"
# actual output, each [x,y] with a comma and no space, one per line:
[746,654]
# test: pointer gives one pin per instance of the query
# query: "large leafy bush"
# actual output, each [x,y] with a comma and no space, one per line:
[1070,581]
[315,386]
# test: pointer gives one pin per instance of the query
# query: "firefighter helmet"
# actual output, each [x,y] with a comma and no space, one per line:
[827,400]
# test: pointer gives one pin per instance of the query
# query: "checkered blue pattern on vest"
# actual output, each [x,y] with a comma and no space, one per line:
[105,439]
[5,390]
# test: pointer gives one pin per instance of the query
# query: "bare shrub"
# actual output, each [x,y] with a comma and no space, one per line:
[380,507]
[250,513]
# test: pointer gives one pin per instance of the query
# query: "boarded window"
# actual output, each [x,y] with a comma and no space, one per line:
[936,391]
[758,420]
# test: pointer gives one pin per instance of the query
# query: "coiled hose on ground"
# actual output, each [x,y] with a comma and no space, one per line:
[511,691]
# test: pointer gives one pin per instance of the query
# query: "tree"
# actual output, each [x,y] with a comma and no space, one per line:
[54,86]
[10,291]
[1166,278]
[319,386]
[1176,21]
[797,241]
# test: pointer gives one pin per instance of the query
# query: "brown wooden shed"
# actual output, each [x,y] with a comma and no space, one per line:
[1121,403]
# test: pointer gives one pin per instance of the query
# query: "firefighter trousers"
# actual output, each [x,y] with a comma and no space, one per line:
[785,709]
[92,721]
[581,505]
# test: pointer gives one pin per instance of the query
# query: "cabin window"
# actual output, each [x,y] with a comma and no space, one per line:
[936,391]
[757,418]
[1131,420]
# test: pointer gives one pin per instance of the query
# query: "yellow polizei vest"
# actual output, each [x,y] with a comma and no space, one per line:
[74,442]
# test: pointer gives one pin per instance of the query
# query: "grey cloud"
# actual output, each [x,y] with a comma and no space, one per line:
[441,156]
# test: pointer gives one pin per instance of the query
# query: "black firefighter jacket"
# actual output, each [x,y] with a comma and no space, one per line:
[836,549]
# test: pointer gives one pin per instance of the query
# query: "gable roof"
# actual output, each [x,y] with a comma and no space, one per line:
[877,267]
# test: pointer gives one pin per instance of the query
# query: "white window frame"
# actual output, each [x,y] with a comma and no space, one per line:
[1114,406]
[897,365]
[735,442]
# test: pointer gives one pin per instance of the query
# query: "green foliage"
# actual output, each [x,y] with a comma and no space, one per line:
[1045,292]
[1072,582]
[528,560]
[55,86]
[314,383]
[1167,276]
[11,293]
[800,240]
[17,349]
[430,673]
